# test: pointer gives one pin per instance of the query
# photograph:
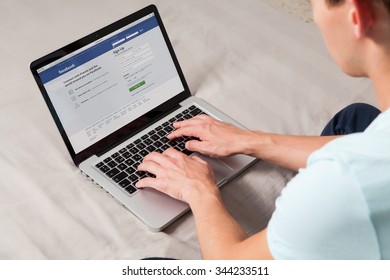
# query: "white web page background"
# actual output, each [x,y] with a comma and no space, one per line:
[104,94]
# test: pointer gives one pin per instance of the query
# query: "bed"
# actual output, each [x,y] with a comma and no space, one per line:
[259,65]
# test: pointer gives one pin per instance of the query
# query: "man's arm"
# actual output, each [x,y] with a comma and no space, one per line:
[219,139]
[220,237]
[288,151]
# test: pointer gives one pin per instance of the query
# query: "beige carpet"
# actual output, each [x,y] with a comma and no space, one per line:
[298,8]
[276,78]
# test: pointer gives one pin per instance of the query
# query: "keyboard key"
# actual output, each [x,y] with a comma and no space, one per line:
[141,146]
[112,172]
[155,137]
[100,164]
[151,148]
[130,146]
[158,144]
[104,168]
[122,166]
[165,124]
[144,153]
[187,116]
[134,150]
[133,178]
[168,129]
[107,160]
[187,152]
[129,162]
[182,145]
[137,157]
[151,132]
[130,170]
[137,141]
[172,143]
[131,189]
[120,177]
[162,133]
[192,107]
[112,164]
[119,159]
[124,183]
[196,112]
[126,155]
[122,151]
[148,142]
[159,128]
[115,155]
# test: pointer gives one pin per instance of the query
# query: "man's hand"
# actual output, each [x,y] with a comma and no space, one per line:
[216,138]
[181,177]
[191,180]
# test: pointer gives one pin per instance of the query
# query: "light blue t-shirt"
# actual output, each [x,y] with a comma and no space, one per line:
[338,207]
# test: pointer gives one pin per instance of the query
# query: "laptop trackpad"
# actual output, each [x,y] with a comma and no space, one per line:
[221,169]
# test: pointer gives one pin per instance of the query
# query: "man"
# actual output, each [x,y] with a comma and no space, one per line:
[338,205]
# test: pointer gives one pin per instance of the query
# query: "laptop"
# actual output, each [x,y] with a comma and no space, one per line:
[114,95]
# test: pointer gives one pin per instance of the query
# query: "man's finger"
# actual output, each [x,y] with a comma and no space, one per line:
[199,146]
[150,166]
[172,153]
[199,119]
[192,131]
[154,183]
[158,158]
[198,159]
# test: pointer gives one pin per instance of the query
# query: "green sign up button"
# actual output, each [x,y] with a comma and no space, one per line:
[140,84]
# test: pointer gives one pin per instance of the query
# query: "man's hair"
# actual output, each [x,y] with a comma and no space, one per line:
[336,2]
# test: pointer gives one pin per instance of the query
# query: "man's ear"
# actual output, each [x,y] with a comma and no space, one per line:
[361,16]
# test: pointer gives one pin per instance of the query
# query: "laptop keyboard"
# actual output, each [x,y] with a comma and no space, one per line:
[121,166]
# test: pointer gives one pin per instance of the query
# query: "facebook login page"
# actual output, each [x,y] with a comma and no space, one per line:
[109,83]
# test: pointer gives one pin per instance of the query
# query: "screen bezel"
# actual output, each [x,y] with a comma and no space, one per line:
[131,128]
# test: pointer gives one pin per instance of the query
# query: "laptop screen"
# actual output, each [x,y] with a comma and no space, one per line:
[108,83]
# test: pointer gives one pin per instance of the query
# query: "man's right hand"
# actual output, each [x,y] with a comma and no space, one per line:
[216,138]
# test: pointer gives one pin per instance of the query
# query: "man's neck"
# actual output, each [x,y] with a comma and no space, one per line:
[378,66]
[382,88]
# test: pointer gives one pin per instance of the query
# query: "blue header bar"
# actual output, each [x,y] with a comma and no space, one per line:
[97,50]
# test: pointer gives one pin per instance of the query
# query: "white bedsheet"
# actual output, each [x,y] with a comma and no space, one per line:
[264,68]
